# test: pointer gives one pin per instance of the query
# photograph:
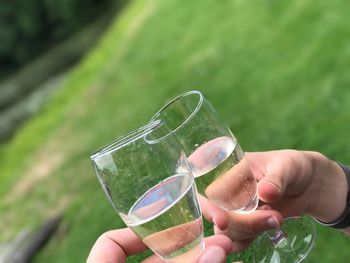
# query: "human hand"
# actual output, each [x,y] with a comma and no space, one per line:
[300,182]
[116,245]
[240,228]
[290,183]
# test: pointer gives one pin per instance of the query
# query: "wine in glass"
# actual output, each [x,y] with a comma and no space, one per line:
[139,176]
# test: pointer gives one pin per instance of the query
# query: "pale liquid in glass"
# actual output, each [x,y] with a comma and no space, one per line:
[222,173]
[168,219]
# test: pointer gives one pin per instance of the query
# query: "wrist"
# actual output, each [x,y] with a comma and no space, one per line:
[328,189]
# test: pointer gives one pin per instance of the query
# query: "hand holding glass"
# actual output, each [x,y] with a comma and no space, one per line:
[222,173]
[139,175]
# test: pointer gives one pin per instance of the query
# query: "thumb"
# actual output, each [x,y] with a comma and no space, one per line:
[272,187]
[213,254]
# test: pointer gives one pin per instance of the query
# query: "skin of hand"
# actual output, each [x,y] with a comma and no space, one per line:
[240,228]
[116,245]
[292,183]
[300,182]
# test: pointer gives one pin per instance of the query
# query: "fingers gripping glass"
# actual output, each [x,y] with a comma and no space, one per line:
[222,173]
[139,175]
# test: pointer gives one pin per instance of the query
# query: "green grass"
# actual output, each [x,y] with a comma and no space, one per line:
[277,72]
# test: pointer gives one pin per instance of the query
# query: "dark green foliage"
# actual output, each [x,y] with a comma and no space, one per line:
[27,27]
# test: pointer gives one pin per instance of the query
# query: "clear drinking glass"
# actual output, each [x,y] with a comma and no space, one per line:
[222,173]
[139,176]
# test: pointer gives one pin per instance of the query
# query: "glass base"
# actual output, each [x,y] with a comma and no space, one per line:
[250,207]
[289,245]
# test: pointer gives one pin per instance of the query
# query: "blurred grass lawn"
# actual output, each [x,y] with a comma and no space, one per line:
[277,72]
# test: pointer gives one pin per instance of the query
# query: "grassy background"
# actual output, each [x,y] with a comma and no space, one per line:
[277,72]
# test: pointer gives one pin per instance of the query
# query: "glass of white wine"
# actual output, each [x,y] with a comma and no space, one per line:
[139,176]
[222,173]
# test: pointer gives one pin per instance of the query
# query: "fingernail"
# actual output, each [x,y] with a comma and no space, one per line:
[212,255]
[272,222]
[219,226]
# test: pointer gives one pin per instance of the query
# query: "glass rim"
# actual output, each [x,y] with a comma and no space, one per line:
[129,138]
[190,116]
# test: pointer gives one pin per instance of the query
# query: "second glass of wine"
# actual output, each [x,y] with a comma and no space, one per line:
[223,174]
[221,171]
[139,175]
